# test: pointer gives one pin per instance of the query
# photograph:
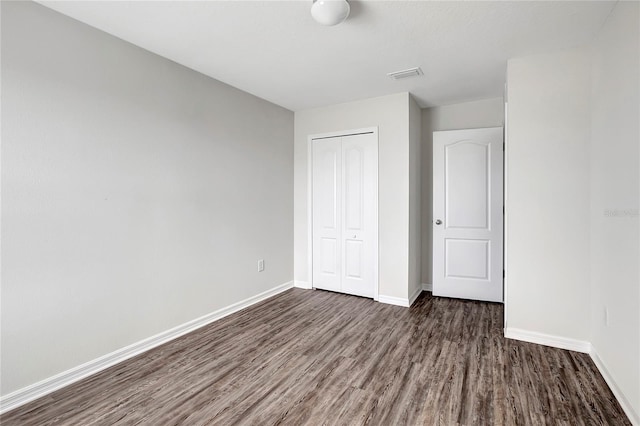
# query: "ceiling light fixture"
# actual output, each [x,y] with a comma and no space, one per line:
[330,12]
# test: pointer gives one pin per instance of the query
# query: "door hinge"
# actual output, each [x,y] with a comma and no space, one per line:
[503,275]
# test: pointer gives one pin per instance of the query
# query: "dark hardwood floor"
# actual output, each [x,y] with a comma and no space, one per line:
[315,357]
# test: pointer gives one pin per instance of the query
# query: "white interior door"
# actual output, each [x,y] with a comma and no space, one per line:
[468,214]
[345,214]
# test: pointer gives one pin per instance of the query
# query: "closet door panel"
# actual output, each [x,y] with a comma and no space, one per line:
[359,214]
[327,213]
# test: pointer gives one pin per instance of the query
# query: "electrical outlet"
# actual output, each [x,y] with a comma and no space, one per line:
[260,265]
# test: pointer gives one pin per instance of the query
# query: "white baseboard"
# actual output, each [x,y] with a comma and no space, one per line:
[44,387]
[427,287]
[390,300]
[415,295]
[400,301]
[51,384]
[302,284]
[578,346]
[547,340]
[624,402]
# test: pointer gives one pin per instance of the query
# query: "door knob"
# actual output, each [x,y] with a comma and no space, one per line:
[438,222]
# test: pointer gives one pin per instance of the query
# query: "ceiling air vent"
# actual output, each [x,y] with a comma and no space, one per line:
[411,72]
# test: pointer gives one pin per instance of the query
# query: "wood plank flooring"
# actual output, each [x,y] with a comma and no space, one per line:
[320,358]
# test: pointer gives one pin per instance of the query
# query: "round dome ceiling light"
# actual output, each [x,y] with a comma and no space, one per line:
[330,12]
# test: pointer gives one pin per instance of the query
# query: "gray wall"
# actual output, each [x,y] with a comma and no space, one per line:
[614,188]
[415,198]
[467,115]
[391,115]
[547,194]
[573,190]
[136,194]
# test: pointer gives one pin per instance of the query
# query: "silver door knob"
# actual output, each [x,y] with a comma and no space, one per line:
[438,222]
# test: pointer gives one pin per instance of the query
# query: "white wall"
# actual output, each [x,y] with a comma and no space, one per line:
[136,194]
[391,115]
[468,115]
[573,153]
[415,198]
[548,194]
[615,199]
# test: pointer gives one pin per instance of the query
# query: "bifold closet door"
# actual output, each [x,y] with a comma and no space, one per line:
[345,214]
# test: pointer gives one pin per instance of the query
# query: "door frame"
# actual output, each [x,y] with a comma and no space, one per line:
[310,139]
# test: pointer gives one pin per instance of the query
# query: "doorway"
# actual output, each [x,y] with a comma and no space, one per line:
[344,212]
[468,214]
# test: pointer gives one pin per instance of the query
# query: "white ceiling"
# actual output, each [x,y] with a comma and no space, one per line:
[274,50]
